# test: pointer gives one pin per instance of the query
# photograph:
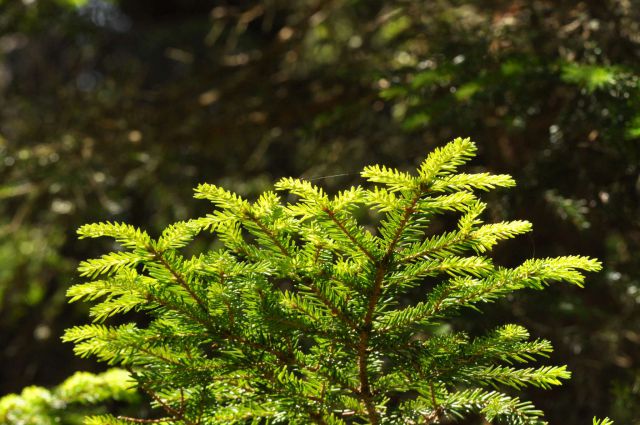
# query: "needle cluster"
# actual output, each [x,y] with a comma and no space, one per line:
[302,314]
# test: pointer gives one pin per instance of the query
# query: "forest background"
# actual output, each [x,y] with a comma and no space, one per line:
[115,110]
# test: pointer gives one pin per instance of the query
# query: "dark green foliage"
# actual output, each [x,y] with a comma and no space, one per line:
[304,315]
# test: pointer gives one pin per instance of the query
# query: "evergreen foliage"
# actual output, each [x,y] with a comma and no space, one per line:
[302,314]
[605,421]
[70,401]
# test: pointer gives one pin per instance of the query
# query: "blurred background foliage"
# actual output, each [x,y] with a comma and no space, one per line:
[69,403]
[114,110]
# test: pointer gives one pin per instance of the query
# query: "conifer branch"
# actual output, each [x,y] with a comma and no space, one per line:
[268,233]
[172,307]
[458,239]
[437,409]
[308,322]
[144,421]
[363,344]
[177,415]
[178,277]
[348,234]
[335,310]
[408,211]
